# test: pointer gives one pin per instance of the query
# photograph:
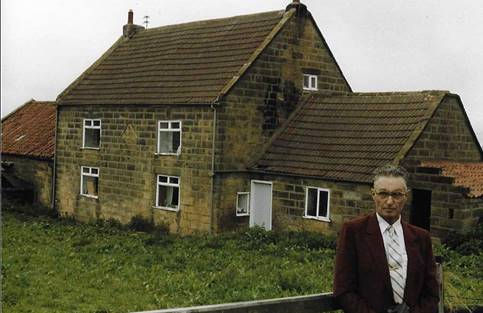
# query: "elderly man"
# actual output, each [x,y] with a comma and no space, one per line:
[384,264]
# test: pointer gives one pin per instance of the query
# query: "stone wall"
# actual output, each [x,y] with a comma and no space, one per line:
[128,164]
[265,96]
[446,137]
[451,208]
[347,201]
[260,103]
[37,172]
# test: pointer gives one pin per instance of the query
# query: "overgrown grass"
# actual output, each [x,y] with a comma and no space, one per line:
[51,265]
[60,266]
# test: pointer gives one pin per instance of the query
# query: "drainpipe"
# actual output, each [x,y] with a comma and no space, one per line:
[212,174]
[54,169]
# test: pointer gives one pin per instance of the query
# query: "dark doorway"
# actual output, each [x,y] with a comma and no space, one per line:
[421,208]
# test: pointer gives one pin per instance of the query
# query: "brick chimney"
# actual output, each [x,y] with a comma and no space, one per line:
[300,7]
[130,28]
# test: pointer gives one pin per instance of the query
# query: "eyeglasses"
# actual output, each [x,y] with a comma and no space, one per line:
[396,195]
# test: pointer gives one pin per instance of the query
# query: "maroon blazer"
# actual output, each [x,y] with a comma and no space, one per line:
[362,283]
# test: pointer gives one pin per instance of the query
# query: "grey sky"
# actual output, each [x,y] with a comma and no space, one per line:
[380,45]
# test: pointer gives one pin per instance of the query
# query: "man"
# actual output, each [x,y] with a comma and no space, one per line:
[382,263]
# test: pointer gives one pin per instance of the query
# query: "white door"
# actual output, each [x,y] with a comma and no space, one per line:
[261,204]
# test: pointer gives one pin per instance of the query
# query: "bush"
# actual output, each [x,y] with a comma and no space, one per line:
[257,238]
[140,223]
[468,243]
[35,210]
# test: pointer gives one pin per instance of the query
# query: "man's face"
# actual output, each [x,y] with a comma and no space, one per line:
[390,196]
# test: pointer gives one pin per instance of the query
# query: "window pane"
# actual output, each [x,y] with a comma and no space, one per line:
[86,170]
[94,171]
[175,125]
[312,202]
[173,180]
[97,123]
[165,142]
[323,203]
[92,138]
[168,196]
[176,139]
[313,82]
[306,81]
[163,125]
[242,204]
[163,179]
[89,185]
[88,122]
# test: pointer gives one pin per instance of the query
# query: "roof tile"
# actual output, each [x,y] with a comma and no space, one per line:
[30,130]
[465,174]
[185,63]
[345,137]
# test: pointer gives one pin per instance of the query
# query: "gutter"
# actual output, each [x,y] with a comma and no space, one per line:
[54,169]
[213,106]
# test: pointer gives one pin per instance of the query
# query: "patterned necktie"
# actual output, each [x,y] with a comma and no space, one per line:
[395,265]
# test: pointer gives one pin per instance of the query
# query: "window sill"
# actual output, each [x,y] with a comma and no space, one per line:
[322,219]
[165,208]
[310,89]
[167,153]
[242,214]
[90,196]
[90,148]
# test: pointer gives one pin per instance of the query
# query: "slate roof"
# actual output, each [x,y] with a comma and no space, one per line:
[465,174]
[345,137]
[185,63]
[30,130]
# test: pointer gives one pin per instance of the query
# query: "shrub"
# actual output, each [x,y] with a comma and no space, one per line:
[140,223]
[468,243]
[35,210]
[257,238]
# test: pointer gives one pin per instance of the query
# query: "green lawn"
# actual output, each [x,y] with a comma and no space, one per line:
[51,265]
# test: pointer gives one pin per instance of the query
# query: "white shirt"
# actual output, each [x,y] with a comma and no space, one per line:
[383,225]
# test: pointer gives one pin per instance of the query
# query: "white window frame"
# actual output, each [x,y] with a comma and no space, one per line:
[168,184]
[169,129]
[317,217]
[238,194]
[312,84]
[84,127]
[90,174]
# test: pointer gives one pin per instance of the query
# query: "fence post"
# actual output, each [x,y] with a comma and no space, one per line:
[439,278]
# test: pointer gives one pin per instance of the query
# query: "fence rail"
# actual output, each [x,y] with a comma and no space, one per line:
[316,303]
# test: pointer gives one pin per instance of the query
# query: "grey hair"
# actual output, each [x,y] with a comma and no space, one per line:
[390,170]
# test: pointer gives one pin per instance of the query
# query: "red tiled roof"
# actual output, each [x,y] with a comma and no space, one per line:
[345,137]
[185,63]
[30,130]
[465,174]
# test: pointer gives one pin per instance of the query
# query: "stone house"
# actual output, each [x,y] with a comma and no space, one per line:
[28,144]
[247,120]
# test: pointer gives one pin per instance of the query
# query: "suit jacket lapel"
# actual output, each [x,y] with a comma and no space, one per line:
[376,246]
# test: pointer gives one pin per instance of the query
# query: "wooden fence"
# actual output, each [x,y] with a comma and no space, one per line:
[317,303]
[301,304]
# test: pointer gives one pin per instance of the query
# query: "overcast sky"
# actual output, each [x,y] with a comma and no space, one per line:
[380,45]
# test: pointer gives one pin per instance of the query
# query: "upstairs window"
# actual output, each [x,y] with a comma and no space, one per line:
[310,82]
[243,204]
[92,134]
[169,137]
[167,192]
[89,181]
[317,203]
